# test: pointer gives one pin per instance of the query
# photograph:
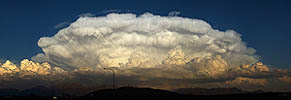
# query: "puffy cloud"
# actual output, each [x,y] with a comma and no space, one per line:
[257,68]
[209,66]
[112,40]
[28,67]
[58,70]
[176,57]
[8,65]
[139,59]
[286,79]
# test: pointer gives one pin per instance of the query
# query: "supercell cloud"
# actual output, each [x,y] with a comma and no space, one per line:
[115,39]
[167,52]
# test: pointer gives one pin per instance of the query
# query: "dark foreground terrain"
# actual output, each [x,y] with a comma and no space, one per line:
[145,93]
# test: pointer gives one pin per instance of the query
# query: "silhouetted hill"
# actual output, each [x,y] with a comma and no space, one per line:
[196,93]
[8,91]
[131,91]
[35,91]
[213,91]
[40,93]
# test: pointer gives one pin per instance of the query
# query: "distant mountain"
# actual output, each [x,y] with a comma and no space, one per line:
[8,91]
[35,91]
[213,91]
[131,91]
[193,93]
[41,92]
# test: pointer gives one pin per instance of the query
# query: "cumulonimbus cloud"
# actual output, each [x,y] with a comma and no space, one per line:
[111,40]
[167,52]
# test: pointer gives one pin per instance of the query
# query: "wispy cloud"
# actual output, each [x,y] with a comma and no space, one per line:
[174,13]
[86,15]
[67,23]
[62,25]
[111,11]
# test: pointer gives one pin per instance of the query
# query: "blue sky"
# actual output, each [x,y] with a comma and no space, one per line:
[265,25]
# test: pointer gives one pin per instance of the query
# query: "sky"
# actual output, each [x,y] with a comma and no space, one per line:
[263,25]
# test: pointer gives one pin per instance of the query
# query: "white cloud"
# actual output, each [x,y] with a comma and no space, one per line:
[110,40]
